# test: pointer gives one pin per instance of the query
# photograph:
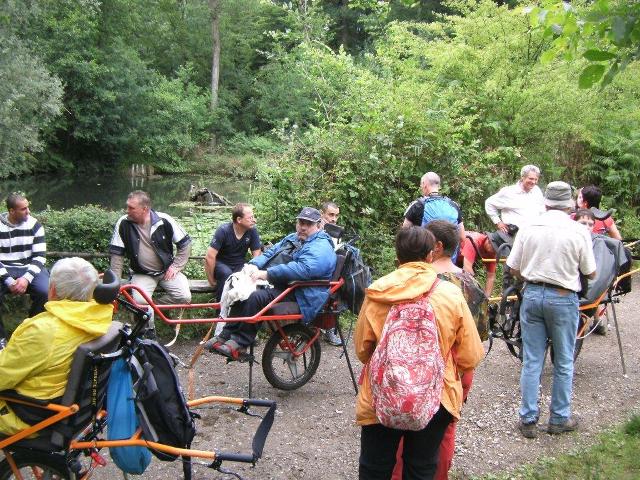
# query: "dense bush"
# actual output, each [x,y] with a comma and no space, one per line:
[85,229]
[467,97]
[29,99]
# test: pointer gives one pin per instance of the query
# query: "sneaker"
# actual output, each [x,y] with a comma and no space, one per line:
[528,430]
[3,343]
[231,349]
[214,342]
[569,425]
[332,338]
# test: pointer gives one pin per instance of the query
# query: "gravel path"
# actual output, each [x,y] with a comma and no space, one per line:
[314,435]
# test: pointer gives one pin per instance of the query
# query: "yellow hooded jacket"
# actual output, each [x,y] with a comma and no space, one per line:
[37,359]
[456,329]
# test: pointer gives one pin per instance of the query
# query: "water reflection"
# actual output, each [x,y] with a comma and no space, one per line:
[110,191]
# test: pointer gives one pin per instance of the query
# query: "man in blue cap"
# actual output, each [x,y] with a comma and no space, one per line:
[306,254]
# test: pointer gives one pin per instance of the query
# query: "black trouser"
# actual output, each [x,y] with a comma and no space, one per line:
[38,290]
[244,333]
[379,444]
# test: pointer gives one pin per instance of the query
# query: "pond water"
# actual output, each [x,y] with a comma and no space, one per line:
[110,191]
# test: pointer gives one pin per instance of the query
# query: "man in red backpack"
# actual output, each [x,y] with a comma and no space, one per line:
[460,347]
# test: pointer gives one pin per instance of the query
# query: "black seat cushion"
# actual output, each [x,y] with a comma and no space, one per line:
[284,308]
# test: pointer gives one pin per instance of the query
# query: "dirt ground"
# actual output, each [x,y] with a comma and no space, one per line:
[314,435]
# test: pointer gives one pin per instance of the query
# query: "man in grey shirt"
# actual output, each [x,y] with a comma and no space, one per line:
[147,238]
[549,254]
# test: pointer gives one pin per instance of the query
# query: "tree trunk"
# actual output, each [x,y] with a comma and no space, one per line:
[215,59]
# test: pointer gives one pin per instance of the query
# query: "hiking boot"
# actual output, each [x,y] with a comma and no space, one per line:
[3,343]
[568,425]
[528,430]
[332,338]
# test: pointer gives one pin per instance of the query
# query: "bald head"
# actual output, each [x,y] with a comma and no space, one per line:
[430,183]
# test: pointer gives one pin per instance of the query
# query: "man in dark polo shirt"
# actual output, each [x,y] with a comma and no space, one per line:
[229,245]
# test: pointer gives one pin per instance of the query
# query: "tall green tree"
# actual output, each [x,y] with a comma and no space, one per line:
[30,98]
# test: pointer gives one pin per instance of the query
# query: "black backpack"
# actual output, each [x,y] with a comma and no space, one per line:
[160,404]
[357,277]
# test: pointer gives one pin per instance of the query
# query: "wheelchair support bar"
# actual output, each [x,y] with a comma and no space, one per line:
[235,457]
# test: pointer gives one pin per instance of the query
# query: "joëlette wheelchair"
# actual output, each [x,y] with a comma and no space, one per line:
[292,352]
[504,313]
[70,429]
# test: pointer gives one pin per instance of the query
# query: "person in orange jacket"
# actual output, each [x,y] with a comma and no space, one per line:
[457,333]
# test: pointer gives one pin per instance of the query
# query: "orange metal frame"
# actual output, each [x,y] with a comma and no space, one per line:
[260,316]
[135,440]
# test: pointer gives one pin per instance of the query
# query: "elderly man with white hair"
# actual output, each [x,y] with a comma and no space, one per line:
[37,359]
[515,205]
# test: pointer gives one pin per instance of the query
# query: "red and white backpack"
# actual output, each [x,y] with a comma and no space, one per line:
[406,370]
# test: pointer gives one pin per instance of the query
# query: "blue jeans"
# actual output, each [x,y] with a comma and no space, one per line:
[547,313]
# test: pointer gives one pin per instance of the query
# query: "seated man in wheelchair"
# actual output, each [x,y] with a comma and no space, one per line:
[37,359]
[306,254]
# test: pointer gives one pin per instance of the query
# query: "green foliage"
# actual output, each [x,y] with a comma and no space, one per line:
[255,144]
[29,100]
[177,121]
[604,32]
[466,97]
[81,229]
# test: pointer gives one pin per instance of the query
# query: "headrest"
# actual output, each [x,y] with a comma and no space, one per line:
[107,291]
[600,215]
[333,230]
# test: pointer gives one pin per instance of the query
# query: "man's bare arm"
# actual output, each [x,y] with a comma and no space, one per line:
[210,265]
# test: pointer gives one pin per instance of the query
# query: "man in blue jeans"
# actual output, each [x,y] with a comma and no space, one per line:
[549,254]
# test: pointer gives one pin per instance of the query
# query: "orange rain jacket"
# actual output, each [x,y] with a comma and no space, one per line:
[456,329]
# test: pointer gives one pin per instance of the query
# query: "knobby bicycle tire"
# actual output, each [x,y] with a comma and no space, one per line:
[34,464]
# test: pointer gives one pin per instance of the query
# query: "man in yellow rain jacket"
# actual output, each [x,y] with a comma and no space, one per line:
[37,359]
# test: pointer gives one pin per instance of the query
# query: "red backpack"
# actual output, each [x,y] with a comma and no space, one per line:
[406,370]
